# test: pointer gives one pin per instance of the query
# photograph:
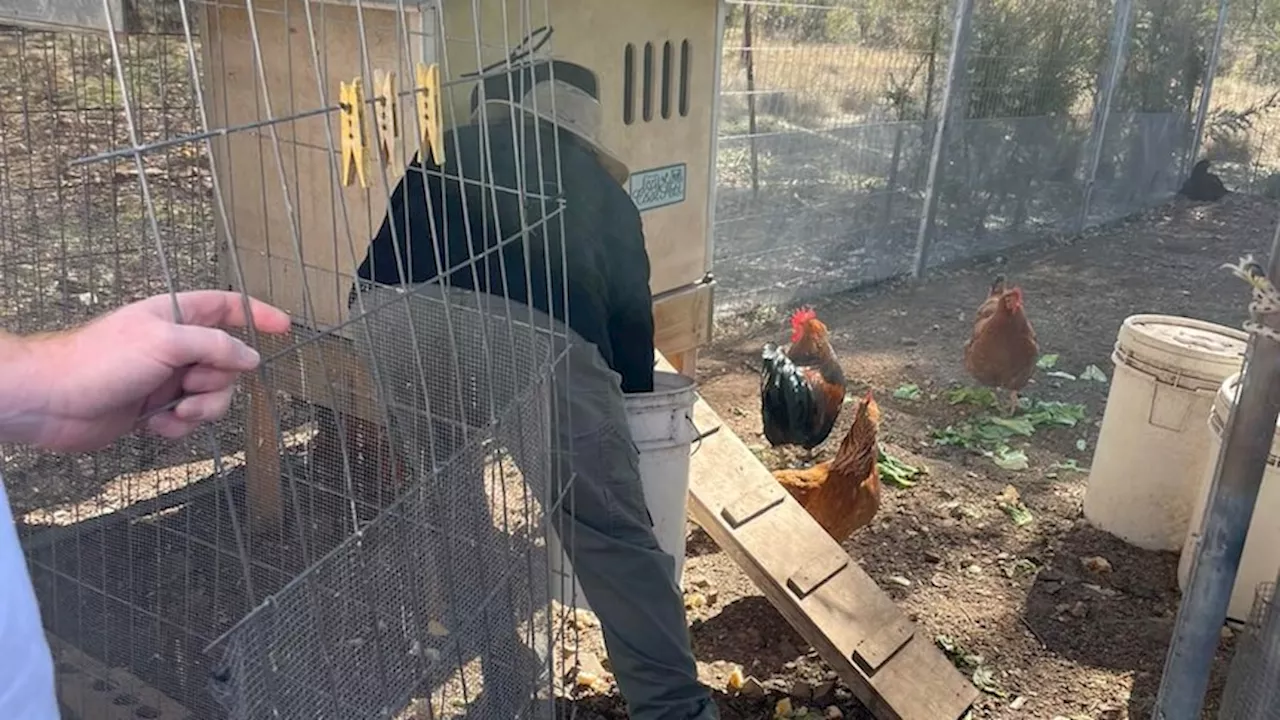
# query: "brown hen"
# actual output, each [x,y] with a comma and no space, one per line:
[1002,351]
[843,493]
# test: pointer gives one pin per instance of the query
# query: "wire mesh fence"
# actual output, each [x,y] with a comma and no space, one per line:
[365,535]
[1251,689]
[1062,115]
[1241,129]
[824,123]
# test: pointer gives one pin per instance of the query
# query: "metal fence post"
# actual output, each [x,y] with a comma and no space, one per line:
[957,65]
[1246,445]
[1206,92]
[1102,112]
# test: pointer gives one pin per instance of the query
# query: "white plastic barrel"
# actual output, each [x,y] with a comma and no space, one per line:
[1260,560]
[1154,440]
[662,428]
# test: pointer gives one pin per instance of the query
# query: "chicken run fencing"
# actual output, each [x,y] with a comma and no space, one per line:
[851,151]
[301,558]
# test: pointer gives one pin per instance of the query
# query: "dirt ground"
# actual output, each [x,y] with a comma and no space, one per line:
[1060,640]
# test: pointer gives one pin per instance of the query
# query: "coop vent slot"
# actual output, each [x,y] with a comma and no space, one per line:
[646,102]
[684,78]
[629,84]
[667,57]
[671,88]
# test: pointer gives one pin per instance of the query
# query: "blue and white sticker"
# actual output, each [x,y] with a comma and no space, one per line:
[658,187]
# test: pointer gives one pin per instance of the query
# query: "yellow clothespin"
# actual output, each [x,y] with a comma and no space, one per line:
[430,120]
[351,115]
[385,112]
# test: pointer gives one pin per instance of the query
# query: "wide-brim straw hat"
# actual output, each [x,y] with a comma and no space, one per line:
[563,104]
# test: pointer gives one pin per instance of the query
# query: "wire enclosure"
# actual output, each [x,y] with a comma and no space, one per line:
[365,535]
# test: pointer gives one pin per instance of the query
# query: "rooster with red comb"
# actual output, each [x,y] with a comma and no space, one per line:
[802,386]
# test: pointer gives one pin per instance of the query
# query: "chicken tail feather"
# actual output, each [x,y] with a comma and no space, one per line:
[785,399]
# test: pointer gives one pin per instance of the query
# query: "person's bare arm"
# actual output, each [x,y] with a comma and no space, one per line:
[19,382]
[82,389]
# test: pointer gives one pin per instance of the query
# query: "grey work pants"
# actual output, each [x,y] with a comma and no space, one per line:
[455,364]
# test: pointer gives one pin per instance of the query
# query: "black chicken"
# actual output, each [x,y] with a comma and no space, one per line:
[1202,185]
[802,386]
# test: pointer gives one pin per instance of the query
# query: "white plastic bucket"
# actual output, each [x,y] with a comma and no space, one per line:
[1154,440]
[1260,561]
[662,428]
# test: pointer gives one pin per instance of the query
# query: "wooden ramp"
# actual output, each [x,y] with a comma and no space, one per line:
[897,672]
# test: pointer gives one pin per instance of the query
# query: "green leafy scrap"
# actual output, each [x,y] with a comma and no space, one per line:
[1069,464]
[991,435]
[958,655]
[1009,459]
[896,472]
[977,396]
[910,391]
[1046,362]
[1016,425]
[984,678]
[1011,503]
[1051,412]
[1092,372]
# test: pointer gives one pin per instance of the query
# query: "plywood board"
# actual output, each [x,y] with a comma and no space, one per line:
[894,670]
[683,319]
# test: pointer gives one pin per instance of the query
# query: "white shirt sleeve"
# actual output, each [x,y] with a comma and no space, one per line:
[26,665]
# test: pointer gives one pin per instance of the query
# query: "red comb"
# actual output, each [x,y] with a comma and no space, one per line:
[802,316]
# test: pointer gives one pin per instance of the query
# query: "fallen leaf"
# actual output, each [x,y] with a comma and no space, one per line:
[1047,361]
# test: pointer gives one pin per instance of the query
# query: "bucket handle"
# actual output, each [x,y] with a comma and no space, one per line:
[699,436]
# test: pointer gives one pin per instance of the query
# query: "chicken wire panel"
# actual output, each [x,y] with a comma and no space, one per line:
[1251,689]
[392,617]
[205,154]
[1013,164]
[75,242]
[1150,129]
[824,131]
[795,212]
[1243,125]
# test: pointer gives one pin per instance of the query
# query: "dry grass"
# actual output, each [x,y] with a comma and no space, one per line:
[814,85]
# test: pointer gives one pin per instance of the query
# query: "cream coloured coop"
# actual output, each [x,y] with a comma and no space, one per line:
[272,568]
